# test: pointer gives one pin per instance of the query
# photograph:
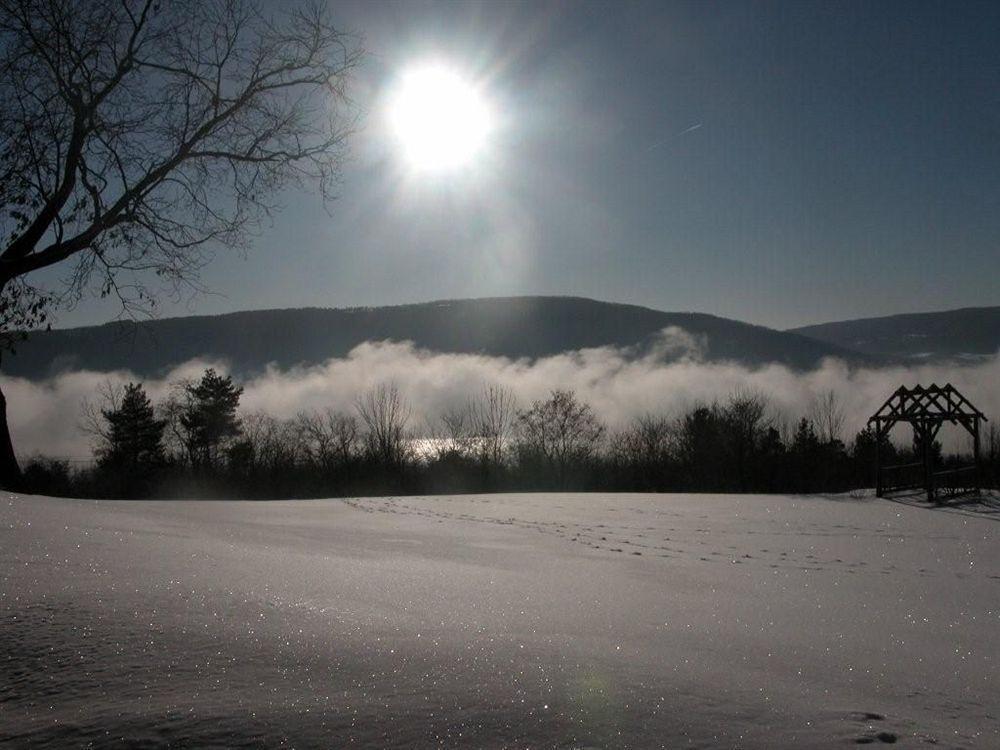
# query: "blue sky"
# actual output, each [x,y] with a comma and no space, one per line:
[780,163]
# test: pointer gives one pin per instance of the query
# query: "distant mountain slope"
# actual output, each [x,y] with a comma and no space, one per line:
[969,333]
[513,327]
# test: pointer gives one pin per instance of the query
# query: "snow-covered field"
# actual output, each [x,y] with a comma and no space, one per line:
[534,620]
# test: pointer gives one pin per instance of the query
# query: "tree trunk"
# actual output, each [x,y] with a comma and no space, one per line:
[10,472]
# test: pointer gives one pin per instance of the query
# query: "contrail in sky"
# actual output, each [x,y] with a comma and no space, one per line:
[676,135]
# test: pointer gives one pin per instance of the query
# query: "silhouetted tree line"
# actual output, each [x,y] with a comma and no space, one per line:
[196,443]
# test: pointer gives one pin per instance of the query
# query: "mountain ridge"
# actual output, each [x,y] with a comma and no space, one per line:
[513,327]
[965,333]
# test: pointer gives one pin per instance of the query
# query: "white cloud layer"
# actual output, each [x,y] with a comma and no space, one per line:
[45,415]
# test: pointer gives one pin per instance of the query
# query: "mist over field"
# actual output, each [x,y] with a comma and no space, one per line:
[614,381]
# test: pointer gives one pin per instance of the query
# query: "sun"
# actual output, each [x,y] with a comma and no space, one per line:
[440,119]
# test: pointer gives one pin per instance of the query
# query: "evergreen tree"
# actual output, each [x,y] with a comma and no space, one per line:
[805,440]
[806,456]
[771,461]
[134,436]
[866,448]
[209,417]
[701,448]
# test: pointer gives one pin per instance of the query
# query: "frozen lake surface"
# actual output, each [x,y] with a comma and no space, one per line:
[521,620]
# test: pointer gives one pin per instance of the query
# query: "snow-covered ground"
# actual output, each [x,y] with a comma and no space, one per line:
[533,620]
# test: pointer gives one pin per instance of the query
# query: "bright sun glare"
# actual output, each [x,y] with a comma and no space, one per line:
[441,120]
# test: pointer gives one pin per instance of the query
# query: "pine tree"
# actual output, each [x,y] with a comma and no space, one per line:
[134,436]
[209,417]
[865,447]
[701,448]
[805,442]
[806,457]
[870,446]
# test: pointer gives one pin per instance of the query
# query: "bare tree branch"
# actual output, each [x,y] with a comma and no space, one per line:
[138,136]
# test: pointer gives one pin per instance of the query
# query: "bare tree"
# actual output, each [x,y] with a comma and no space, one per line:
[452,434]
[171,409]
[827,414]
[647,442]
[560,430]
[493,417]
[644,451]
[745,418]
[346,437]
[746,413]
[136,136]
[268,444]
[330,438]
[385,414]
[92,421]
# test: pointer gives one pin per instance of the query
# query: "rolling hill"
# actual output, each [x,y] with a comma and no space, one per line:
[968,334]
[511,326]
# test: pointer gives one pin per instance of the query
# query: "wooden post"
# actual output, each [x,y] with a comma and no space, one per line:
[878,459]
[924,438]
[975,455]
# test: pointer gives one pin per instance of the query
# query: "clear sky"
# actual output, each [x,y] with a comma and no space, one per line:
[781,163]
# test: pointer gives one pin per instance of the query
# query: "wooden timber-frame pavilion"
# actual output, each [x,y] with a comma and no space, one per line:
[926,410]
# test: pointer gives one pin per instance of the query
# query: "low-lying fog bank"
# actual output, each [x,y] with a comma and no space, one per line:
[45,415]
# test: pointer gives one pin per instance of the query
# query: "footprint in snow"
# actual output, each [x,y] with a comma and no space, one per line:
[888,738]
